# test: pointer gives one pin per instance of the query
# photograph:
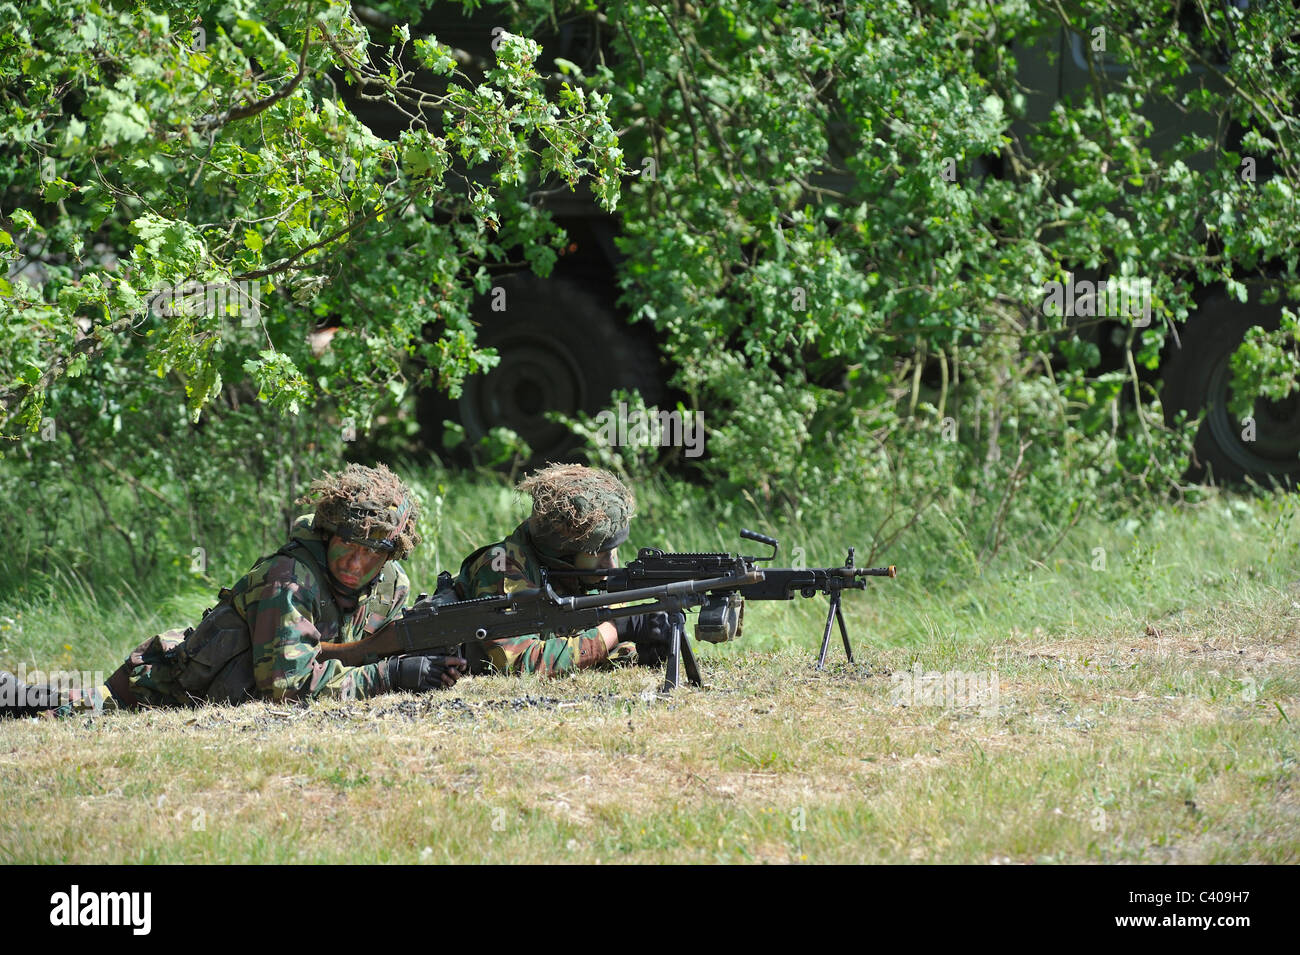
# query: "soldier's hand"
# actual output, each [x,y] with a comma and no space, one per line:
[652,634]
[420,673]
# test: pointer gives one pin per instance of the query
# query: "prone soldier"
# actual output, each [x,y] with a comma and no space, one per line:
[335,581]
[579,517]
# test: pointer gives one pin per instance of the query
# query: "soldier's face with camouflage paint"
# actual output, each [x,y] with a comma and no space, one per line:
[353,565]
[605,560]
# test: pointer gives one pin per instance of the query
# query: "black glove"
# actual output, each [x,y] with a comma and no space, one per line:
[420,673]
[651,632]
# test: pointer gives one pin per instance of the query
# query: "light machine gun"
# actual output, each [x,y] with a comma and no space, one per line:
[722,613]
[440,623]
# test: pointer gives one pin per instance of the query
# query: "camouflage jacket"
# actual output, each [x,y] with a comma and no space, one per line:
[290,611]
[505,567]
[286,605]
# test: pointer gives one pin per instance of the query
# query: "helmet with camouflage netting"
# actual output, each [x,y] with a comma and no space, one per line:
[367,506]
[577,509]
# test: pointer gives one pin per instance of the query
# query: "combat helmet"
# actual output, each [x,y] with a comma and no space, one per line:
[366,506]
[577,509]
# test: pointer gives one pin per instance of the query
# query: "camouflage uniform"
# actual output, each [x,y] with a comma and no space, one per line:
[289,609]
[263,638]
[503,568]
[576,509]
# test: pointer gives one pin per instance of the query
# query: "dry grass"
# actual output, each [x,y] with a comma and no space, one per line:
[1170,742]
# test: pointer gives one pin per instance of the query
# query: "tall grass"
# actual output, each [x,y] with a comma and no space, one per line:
[1130,572]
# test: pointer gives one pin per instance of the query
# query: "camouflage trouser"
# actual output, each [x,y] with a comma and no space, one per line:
[148,675]
[478,654]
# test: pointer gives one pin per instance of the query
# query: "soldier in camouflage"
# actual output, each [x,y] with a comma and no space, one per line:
[579,517]
[335,581]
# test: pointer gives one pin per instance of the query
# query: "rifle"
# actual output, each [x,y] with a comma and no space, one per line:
[440,624]
[723,613]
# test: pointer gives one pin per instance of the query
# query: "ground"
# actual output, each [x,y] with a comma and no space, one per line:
[1169,740]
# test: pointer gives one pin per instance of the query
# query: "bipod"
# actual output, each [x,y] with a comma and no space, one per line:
[836,590]
[835,615]
[679,653]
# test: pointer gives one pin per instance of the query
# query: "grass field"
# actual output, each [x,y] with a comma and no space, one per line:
[1130,700]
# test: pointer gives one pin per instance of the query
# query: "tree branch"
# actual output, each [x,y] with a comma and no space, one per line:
[92,343]
[252,109]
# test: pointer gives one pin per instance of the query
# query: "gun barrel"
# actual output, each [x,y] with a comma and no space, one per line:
[890,571]
[681,588]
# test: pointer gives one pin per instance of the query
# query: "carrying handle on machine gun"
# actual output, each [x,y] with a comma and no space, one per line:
[762,539]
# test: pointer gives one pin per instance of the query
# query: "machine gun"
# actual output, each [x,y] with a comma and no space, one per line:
[440,623]
[722,614]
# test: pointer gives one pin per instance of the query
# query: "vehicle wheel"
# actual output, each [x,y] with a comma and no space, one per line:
[562,348]
[1198,375]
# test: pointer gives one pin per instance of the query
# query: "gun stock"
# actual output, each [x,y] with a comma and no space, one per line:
[371,649]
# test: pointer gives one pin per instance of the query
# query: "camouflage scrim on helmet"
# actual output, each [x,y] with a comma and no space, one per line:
[368,506]
[577,509]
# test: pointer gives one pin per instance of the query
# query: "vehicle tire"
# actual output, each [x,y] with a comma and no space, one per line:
[563,348]
[1198,375]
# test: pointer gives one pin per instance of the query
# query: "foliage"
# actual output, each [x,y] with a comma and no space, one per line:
[841,218]
[124,488]
[1267,363]
[847,215]
[172,168]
